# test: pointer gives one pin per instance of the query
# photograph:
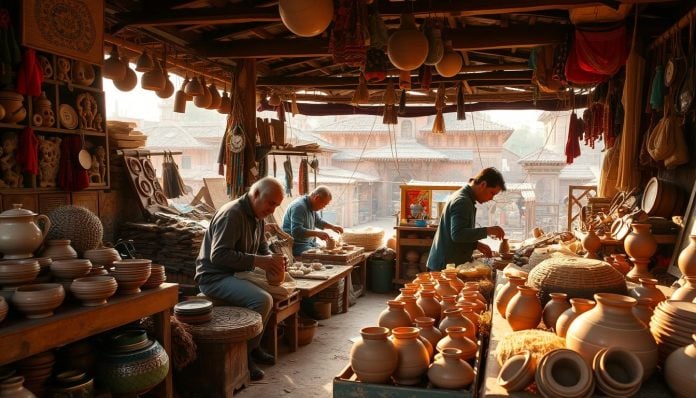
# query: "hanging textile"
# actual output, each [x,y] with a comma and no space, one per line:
[601,52]
[172,183]
[287,166]
[606,188]
[350,36]
[27,152]
[543,74]
[657,91]
[275,167]
[29,75]
[608,120]
[572,147]
[314,164]
[71,175]
[303,178]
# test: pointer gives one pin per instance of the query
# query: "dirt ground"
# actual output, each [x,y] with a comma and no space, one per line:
[309,371]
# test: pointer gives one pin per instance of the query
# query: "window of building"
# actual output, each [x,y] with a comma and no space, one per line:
[186,162]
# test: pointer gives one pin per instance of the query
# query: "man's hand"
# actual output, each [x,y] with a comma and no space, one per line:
[275,263]
[495,232]
[485,249]
[337,229]
[321,235]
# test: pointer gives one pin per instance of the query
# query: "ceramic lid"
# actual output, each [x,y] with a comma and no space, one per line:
[17,211]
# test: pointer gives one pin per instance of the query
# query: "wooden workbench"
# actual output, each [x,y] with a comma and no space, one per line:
[21,338]
[311,287]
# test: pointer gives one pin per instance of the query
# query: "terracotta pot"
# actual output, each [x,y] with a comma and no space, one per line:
[453,317]
[59,249]
[426,326]
[524,309]
[687,258]
[564,373]
[430,306]
[413,357]
[679,370]
[554,308]
[444,287]
[458,337]
[504,247]
[612,324]
[374,357]
[407,47]
[618,372]
[404,291]
[507,292]
[412,309]
[446,303]
[472,297]
[13,388]
[648,289]
[591,243]
[20,234]
[473,289]
[620,263]
[640,243]
[455,282]
[644,309]
[517,372]
[577,307]
[687,292]
[449,371]
[394,315]
[468,312]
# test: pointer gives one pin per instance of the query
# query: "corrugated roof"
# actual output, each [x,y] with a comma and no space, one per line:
[473,122]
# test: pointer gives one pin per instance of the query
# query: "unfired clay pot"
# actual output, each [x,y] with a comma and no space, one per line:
[577,307]
[394,315]
[413,356]
[453,317]
[524,309]
[374,357]
[507,292]
[449,371]
[679,370]
[412,309]
[554,308]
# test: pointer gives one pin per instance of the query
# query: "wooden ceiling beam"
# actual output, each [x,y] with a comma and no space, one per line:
[376,98]
[485,7]
[201,16]
[522,75]
[259,48]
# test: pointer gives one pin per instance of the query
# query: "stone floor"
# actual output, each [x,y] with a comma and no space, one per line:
[309,371]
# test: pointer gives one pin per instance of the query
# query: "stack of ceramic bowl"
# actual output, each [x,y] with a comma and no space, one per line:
[67,270]
[618,372]
[38,301]
[17,272]
[131,274]
[157,277]
[672,325]
[37,370]
[102,256]
[73,383]
[194,312]
[94,290]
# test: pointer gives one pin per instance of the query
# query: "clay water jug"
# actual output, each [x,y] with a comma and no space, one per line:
[20,234]
[577,307]
[13,387]
[394,315]
[687,258]
[591,243]
[473,287]
[449,371]
[640,243]
[554,308]
[373,358]
[412,308]
[687,292]
[429,304]
[59,249]
[413,359]
[679,370]
[453,317]
[426,326]
[611,323]
[456,337]
[648,288]
[507,292]
[524,309]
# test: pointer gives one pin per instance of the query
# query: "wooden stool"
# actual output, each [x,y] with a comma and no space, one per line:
[283,310]
[221,365]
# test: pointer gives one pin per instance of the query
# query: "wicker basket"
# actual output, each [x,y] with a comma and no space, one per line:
[575,276]
[370,238]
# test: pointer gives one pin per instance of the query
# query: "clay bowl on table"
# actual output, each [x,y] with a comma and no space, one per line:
[130,281]
[15,272]
[94,290]
[102,256]
[71,269]
[132,264]
[38,301]
[157,277]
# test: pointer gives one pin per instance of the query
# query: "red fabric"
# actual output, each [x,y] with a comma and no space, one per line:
[576,75]
[572,148]
[71,176]
[349,40]
[29,75]
[28,152]
[601,52]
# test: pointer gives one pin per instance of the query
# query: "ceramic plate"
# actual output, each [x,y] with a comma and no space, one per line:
[194,306]
[68,116]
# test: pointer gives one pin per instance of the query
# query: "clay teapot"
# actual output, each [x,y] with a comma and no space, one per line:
[20,234]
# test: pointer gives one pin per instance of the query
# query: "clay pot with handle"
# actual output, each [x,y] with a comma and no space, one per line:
[20,234]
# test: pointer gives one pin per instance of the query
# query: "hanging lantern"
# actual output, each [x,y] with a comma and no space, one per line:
[114,68]
[306,18]
[450,64]
[407,47]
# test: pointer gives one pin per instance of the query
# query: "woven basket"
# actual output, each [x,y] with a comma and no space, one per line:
[81,226]
[575,276]
[369,238]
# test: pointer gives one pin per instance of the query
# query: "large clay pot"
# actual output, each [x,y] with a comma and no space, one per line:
[687,292]
[13,387]
[132,364]
[407,47]
[648,289]
[577,307]
[413,356]
[20,234]
[394,315]
[524,309]
[430,306]
[505,293]
[449,371]
[444,287]
[456,337]
[679,370]
[411,307]
[473,298]
[426,326]
[306,18]
[687,258]
[374,357]
[644,309]
[611,323]
[554,308]
[618,372]
[453,317]
[640,243]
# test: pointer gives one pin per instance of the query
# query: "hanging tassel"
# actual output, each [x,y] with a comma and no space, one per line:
[362,94]
[461,115]
[275,167]
[287,166]
[389,116]
[439,123]
[402,103]
[293,105]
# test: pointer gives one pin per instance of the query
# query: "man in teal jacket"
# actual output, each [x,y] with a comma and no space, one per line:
[301,220]
[457,236]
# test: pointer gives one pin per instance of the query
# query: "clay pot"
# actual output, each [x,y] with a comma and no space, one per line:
[20,234]
[394,315]
[640,243]
[430,306]
[644,309]
[618,372]
[687,292]
[407,47]
[507,292]
[468,311]
[129,80]
[374,357]
[446,303]
[648,288]
[13,387]
[564,373]
[38,300]
[413,356]
[113,68]
[517,372]
[444,287]
[59,249]
[473,298]
[458,337]
[453,317]
[620,263]
[306,18]
[426,326]
[449,371]
[611,323]
[577,307]
[687,258]
[554,308]
[412,308]
[524,309]
[679,370]
[591,243]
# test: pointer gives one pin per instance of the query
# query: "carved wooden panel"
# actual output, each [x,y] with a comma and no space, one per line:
[90,200]
[49,201]
[28,201]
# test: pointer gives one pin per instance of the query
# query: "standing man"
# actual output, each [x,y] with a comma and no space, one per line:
[235,242]
[457,235]
[301,220]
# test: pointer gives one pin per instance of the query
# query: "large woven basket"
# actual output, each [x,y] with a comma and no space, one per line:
[370,238]
[575,276]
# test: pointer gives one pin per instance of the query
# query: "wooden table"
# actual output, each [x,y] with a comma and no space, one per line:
[310,287]
[21,338]
[359,263]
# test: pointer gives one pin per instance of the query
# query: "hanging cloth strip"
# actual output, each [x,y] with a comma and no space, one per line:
[572,147]
[314,164]
[172,183]
[303,178]
[27,152]
[350,36]
[71,175]
[29,75]
[287,165]
[601,52]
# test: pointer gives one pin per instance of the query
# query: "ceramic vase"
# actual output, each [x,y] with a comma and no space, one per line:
[412,308]
[507,292]
[456,337]
[640,244]
[577,307]
[687,258]
[429,304]
[679,370]
[453,317]
[446,303]
[450,371]
[647,288]
[413,357]
[405,291]
[591,243]
[394,315]
[374,357]
[554,308]
[426,326]
[13,387]
[524,309]
[611,323]
[687,292]
[618,372]
[644,310]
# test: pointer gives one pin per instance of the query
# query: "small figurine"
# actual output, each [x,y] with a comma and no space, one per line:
[49,161]
[97,173]
[11,172]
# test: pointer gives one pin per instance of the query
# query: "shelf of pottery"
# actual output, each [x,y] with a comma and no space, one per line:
[68,122]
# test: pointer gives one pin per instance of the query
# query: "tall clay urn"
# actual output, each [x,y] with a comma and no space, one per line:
[20,234]
[413,356]
[394,315]
[374,357]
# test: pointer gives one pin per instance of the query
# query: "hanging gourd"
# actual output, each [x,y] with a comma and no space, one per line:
[306,18]
[180,98]
[203,100]
[225,103]
[407,47]
[450,64]
[194,88]
[214,96]
[113,68]
[436,48]
[144,62]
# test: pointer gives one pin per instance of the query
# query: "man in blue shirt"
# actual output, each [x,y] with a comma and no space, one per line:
[301,220]
[457,236]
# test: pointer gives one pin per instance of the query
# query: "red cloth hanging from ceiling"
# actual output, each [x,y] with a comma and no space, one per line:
[601,52]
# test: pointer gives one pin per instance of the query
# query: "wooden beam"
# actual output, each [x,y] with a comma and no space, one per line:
[198,16]
[376,97]
[319,82]
[487,37]
[494,67]
[485,7]
[259,48]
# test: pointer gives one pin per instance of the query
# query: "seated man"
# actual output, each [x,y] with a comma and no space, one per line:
[235,242]
[301,220]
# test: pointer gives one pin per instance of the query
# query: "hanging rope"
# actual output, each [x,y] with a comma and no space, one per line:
[287,165]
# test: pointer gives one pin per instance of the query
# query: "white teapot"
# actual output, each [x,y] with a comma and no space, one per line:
[20,234]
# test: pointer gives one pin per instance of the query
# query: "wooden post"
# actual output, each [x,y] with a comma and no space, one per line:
[245,76]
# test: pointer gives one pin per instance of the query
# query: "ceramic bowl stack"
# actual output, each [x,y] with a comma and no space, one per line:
[102,256]
[38,301]
[194,312]
[45,275]
[67,270]
[37,370]
[94,290]
[672,325]
[157,277]
[18,272]
[131,274]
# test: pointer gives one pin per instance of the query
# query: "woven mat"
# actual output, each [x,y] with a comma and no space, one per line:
[229,324]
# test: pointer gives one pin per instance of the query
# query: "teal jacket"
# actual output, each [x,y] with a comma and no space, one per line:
[298,219]
[456,235]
